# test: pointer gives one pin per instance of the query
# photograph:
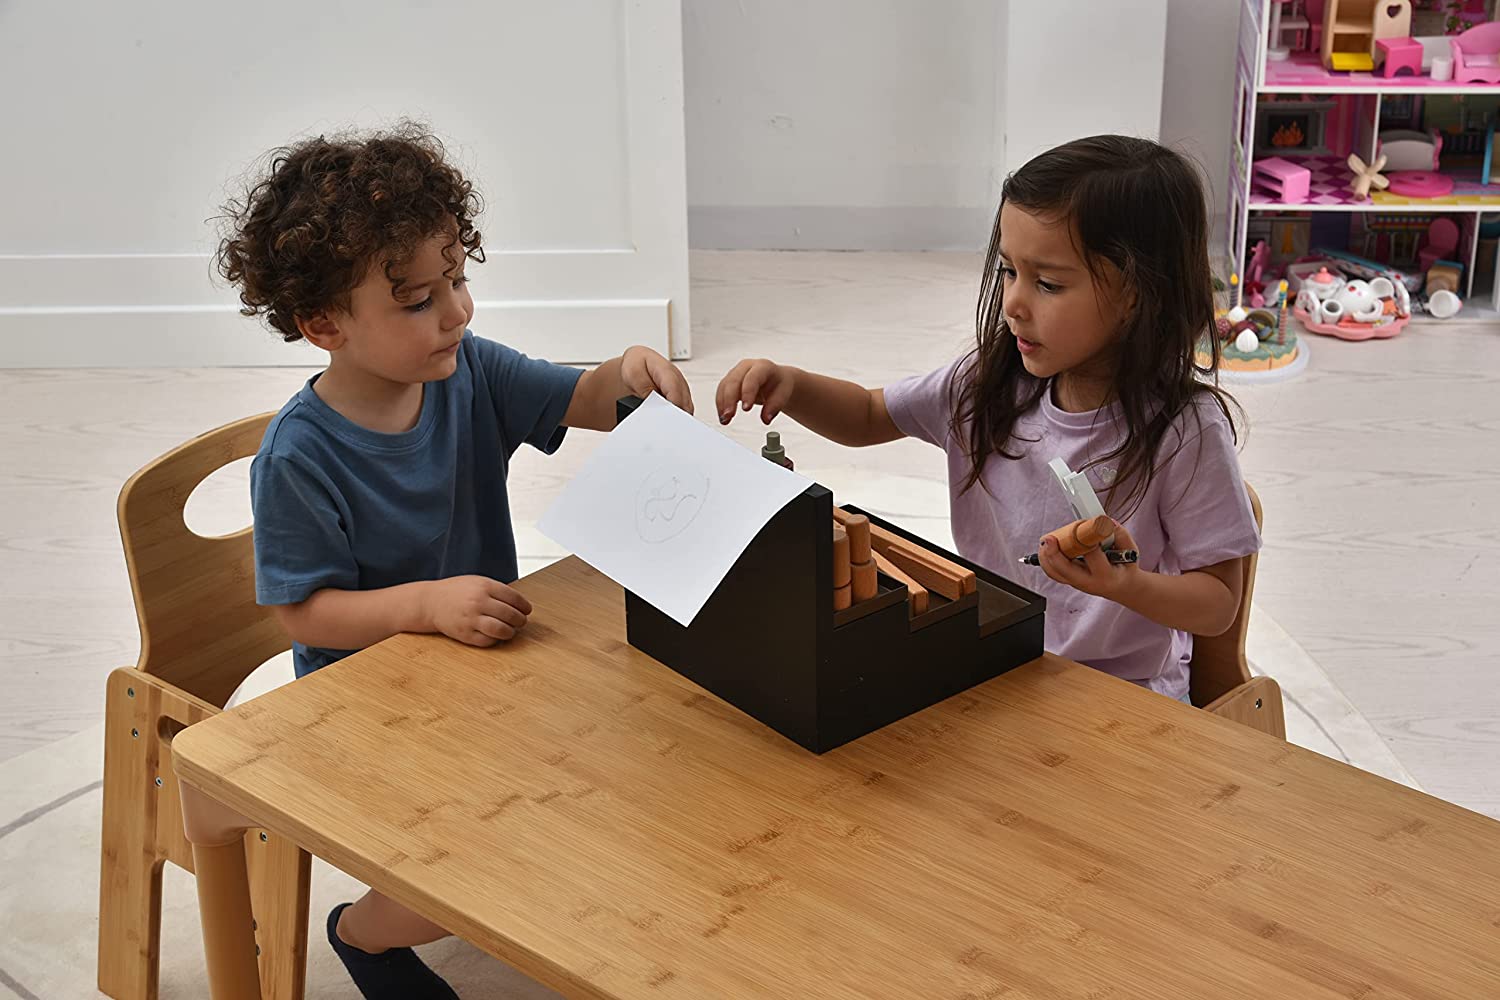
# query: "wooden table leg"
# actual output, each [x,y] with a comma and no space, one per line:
[217,834]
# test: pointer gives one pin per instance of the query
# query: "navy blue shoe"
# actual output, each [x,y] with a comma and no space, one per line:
[394,974]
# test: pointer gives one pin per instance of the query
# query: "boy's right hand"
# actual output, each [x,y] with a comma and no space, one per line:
[475,609]
[755,381]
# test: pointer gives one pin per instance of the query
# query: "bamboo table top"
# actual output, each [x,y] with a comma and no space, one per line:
[587,815]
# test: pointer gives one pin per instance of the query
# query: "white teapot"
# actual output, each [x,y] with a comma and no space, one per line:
[1324,285]
[1359,301]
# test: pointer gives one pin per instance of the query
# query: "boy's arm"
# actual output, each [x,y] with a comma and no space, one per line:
[840,411]
[638,372]
[471,609]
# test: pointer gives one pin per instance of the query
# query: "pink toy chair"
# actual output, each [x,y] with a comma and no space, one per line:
[1255,275]
[1476,54]
[1442,241]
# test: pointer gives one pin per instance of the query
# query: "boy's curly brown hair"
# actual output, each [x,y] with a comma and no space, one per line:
[328,209]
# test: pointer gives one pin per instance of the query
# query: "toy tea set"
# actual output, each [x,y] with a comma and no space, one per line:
[1352,308]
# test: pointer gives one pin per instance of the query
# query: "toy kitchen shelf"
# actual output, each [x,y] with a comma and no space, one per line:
[1290,109]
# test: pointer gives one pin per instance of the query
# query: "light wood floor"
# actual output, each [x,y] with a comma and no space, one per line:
[1377,470]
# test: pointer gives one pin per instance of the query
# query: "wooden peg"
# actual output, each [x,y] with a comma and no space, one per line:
[840,557]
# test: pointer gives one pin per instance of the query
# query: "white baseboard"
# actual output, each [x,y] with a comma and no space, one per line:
[838,227]
[161,311]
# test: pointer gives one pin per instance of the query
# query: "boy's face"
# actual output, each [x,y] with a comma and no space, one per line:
[1062,319]
[414,338]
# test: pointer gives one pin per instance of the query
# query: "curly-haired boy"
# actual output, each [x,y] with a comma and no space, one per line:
[379,491]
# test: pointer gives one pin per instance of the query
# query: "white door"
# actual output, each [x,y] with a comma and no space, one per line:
[130,123]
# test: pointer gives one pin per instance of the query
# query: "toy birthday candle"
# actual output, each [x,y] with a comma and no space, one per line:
[1281,312]
[1234,290]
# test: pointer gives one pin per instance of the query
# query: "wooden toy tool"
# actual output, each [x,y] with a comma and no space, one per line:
[928,568]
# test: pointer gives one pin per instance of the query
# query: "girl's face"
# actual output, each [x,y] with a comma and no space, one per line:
[1064,322]
[414,338]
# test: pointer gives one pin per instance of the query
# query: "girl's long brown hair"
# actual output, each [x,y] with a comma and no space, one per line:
[1140,207]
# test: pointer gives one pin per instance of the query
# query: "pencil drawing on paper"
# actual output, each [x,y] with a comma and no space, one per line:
[667,502]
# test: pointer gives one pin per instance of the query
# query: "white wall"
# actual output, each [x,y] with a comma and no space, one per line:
[841,123]
[127,124]
[881,124]
[1062,83]
[1198,91]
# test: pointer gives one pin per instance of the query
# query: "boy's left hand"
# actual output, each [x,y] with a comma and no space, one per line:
[644,371]
[1095,575]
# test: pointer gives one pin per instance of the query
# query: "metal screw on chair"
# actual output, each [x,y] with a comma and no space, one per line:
[254,925]
[263,838]
[158,782]
[130,692]
[257,951]
[135,733]
[1257,703]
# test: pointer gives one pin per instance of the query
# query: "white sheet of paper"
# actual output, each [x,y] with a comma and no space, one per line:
[666,505]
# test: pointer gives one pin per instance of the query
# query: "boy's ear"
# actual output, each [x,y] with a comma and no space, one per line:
[321,330]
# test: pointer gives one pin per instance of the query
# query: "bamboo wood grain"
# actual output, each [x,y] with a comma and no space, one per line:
[202,634]
[591,817]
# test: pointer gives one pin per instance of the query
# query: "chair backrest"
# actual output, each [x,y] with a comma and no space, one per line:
[1482,39]
[1442,235]
[1219,664]
[201,629]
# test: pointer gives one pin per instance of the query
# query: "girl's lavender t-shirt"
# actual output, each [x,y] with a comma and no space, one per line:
[1194,514]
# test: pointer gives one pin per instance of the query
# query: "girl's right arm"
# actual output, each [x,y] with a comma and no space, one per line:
[833,408]
[472,609]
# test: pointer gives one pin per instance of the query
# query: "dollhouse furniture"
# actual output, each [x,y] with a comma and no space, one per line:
[1476,54]
[1299,111]
[1366,175]
[1442,243]
[1349,34]
[1282,25]
[1391,21]
[1408,149]
[1420,184]
[1283,179]
[1397,54]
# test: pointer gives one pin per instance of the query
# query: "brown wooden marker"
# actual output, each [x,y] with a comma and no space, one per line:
[1082,536]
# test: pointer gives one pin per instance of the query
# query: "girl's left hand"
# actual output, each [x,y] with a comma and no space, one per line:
[1095,575]
[644,371]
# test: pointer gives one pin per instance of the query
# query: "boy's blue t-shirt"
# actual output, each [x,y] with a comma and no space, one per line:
[338,505]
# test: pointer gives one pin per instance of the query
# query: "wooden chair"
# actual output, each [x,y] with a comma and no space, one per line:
[201,635]
[1220,674]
